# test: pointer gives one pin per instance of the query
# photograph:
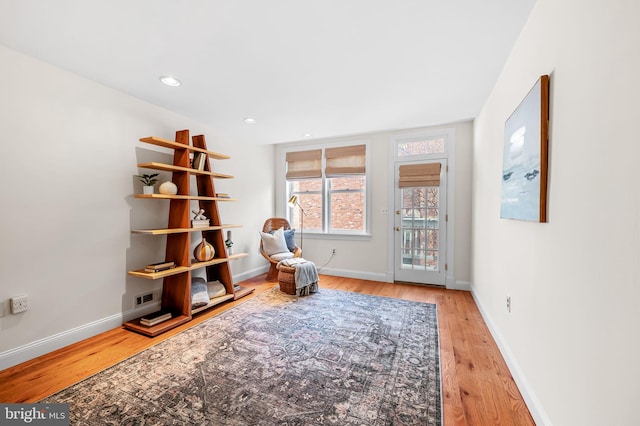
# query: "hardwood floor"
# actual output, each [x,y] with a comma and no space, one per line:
[477,387]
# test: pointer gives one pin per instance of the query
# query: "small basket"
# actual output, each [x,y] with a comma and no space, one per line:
[287,279]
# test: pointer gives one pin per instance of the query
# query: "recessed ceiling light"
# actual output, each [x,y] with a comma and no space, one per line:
[250,120]
[170,81]
[307,135]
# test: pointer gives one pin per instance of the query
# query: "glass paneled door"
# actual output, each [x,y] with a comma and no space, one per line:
[420,222]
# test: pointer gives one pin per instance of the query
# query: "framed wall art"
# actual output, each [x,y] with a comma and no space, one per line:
[524,167]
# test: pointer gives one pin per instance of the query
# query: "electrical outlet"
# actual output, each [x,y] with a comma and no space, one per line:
[508,303]
[143,299]
[19,304]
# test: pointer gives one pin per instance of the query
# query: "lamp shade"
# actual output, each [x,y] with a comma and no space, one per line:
[293,201]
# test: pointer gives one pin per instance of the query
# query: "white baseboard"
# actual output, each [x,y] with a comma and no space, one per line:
[347,273]
[49,344]
[533,403]
[384,277]
[40,347]
[250,274]
[460,285]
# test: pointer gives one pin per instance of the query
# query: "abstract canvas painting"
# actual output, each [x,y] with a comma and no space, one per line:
[524,170]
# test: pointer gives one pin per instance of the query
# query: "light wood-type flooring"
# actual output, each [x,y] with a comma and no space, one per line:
[477,387]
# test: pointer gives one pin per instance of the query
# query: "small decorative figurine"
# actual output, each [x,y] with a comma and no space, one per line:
[199,220]
[199,214]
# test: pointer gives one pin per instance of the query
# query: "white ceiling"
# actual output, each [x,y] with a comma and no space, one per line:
[325,67]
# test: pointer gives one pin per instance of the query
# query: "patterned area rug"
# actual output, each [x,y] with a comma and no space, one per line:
[334,357]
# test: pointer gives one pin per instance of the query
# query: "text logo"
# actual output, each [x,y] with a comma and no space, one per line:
[37,414]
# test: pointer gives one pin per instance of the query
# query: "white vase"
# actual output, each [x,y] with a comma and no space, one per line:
[168,188]
[147,189]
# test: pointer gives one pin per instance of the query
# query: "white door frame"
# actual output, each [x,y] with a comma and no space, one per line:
[449,135]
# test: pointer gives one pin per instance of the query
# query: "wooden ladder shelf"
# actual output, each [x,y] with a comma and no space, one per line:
[176,288]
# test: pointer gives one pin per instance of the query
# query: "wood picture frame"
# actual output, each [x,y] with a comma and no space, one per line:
[525,157]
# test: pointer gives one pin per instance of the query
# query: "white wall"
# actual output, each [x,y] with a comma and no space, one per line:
[367,258]
[67,161]
[572,337]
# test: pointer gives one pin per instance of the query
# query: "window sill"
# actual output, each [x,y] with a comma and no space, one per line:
[334,236]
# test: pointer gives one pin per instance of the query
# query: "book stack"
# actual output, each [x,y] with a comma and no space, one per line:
[222,195]
[199,160]
[155,318]
[161,266]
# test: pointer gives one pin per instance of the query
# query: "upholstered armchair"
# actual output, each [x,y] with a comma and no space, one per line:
[271,244]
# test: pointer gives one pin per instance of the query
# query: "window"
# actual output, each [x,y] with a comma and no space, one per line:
[420,147]
[332,199]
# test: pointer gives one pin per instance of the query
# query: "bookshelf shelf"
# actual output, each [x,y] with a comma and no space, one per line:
[154,140]
[141,273]
[183,197]
[213,302]
[165,231]
[173,168]
[242,292]
[238,256]
[154,330]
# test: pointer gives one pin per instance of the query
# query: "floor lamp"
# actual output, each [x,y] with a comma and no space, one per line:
[293,201]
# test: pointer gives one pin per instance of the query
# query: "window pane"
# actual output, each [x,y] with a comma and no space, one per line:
[419,239]
[347,208]
[419,197]
[347,183]
[312,205]
[347,211]
[432,242]
[433,195]
[418,218]
[419,259]
[429,146]
[305,185]
[432,219]
[432,261]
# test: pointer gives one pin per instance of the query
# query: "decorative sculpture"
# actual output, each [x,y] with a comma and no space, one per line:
[199,214]
[199,219]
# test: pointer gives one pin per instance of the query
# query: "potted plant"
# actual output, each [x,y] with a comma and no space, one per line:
[148,181]
[229,243]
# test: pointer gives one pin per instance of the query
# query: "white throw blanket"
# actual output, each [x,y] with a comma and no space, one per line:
[306,275]
[291,262]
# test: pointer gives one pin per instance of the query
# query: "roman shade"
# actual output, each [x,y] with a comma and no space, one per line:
[345,160]
[304,164]
[419,175]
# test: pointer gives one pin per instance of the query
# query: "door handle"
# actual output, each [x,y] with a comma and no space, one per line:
[397,228]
